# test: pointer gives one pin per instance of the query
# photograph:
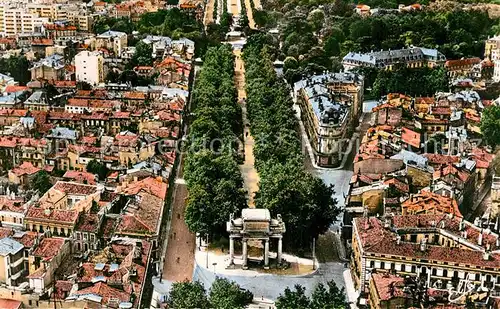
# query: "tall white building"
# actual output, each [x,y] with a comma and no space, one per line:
[492,52]
[89,67]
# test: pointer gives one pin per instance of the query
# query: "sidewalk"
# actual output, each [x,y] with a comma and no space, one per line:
[352,294]
[248,171]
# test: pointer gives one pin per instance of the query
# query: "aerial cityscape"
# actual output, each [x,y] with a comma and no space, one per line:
[261,154]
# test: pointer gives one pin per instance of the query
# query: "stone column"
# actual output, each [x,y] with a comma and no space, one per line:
[280,248]
[245,253]
[231,250]
[266,254]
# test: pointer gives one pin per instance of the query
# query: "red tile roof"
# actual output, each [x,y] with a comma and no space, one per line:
[411,137]
[88,223]
[6,232]
[58,27]
[63,288]
[26,168]
[12,88]
[13,205]
[81,177]
[434,158]
[74,188]
[43,41]
[68,217]
[450,169]
[388,286]
[482,157]
[10,304]
[134,95]
[375,238]
[48,248]
[65,84]
[106,292]
[430,203]
[150,185]
[143,217]
[26,238]
[452,64]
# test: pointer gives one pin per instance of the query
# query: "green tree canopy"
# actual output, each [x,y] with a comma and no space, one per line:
[143,54]
[490,125]
[213,178]
[188,295]
[225,294]
[97,168]
[41,182]
[323,297]
[303,200]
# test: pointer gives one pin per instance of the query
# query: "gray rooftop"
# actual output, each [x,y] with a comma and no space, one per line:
[387,57]
[9,246]
[111,34]
[330,108]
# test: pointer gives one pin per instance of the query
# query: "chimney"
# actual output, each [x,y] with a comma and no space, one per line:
[398,239]
[486,256]
[423,244]
[480,238]
[387,223]
[462,224]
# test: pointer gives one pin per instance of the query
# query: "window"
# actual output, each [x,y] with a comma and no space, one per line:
[382,265]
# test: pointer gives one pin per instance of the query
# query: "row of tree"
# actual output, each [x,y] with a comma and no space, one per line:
[211,170]
[286,188]
[225,294]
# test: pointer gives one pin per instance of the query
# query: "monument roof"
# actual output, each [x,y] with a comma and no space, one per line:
[256,214]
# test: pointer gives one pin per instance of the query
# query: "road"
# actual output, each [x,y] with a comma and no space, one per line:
[209,13]
[248,171]
[271,286]
[235,7]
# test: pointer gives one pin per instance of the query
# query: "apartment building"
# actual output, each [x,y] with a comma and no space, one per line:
[492,52]
[329,105]
[113,41]
[23,18]
[16,20]
[444,251]
[413,57]
[11,261]
[89,67]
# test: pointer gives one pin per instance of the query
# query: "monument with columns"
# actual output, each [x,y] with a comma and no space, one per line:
[255,224]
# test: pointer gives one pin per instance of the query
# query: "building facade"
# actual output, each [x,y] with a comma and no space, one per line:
[443,251]
[330,106]
[413,57]
[89,67]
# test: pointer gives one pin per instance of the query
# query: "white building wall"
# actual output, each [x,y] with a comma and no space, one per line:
[89,67]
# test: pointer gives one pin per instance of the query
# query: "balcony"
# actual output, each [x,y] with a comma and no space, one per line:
[18,274]
[17,263]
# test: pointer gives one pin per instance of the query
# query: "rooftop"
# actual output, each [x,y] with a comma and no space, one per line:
[9,246]
[388,286]
[48,248]
[378,239]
